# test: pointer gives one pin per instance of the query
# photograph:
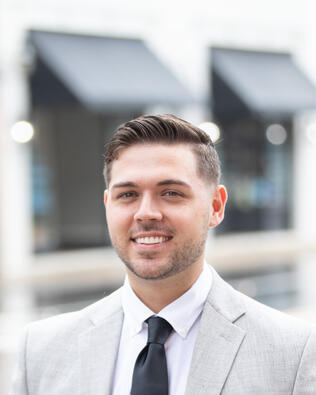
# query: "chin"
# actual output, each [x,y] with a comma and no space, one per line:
[150,270]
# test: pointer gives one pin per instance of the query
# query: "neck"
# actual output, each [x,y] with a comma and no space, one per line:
[157,294]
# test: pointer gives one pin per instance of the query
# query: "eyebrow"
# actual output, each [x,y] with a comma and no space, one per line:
[129,184]
[126,184]
[173,182]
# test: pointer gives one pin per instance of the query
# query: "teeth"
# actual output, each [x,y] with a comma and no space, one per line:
[151,240]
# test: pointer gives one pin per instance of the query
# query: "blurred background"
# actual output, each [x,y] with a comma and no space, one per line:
[72,71]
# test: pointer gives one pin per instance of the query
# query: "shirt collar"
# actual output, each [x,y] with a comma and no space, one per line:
[181,313]
[135,311]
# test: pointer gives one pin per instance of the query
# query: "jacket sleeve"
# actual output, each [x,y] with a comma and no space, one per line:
[305,382]
[19,382]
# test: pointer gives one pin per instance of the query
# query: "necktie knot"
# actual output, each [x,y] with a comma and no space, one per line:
[158,330]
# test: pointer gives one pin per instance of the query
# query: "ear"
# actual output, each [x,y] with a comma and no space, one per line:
[218,205]
[106,197]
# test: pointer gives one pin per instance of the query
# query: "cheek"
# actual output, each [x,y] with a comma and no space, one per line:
[195,220]
[189,213]
[118,219]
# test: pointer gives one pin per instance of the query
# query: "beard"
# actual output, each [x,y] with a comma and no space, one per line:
[148,266]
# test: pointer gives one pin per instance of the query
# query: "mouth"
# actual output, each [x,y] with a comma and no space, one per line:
[151,240]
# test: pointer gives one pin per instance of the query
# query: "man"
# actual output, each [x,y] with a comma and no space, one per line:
[175,326]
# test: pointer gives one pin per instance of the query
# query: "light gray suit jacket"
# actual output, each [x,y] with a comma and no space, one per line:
[243,348]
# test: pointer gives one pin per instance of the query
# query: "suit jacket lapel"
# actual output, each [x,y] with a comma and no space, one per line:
[98,347]
[218,340]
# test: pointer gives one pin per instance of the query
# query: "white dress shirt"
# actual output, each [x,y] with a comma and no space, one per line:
[183,314]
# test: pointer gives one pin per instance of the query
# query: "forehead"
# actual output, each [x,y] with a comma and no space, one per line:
[155,161]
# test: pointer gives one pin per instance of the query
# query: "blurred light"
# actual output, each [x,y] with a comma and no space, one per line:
[276,134]
[311,133]
[22,132]
[211,129]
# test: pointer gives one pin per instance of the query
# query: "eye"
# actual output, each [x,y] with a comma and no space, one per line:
[172,194]
[126,195]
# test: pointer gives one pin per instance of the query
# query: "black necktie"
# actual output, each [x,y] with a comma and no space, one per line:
[150,375]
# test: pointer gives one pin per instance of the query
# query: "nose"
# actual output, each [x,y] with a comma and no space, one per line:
[148,210]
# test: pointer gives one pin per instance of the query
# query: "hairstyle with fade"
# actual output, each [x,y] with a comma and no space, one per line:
[164,129]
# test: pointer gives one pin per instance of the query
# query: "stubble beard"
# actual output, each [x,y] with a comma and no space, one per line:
[183,256]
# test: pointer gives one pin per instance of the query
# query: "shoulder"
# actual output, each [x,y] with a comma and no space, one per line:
[278,349]
[68,324]
[287,340]
[268,320]
[280,342]
[260,322]
[49,349]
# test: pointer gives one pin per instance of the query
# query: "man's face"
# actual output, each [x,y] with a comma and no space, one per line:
[159,209]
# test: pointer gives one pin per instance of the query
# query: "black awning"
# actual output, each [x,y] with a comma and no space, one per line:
[264,82]
[102,72]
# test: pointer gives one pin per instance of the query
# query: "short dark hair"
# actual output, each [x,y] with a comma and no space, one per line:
[165,129]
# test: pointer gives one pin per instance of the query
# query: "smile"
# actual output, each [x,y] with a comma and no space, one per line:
[151,240]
